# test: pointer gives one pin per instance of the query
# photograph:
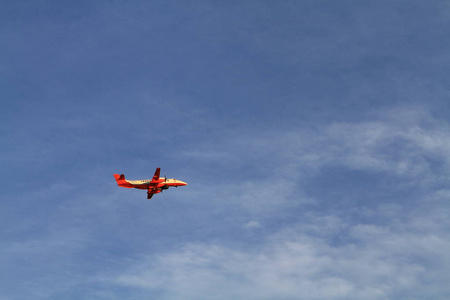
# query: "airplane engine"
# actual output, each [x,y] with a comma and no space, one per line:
[164,187]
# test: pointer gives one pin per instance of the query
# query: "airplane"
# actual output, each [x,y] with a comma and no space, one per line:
[154,186]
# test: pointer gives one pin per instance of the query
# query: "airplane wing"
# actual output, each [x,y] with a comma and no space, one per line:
[156,176]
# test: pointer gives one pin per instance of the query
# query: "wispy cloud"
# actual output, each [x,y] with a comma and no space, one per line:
[407,144]
[379,264]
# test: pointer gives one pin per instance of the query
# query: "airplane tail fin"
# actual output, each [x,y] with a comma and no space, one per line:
[119,178]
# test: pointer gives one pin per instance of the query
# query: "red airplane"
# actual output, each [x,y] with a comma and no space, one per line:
[154,186]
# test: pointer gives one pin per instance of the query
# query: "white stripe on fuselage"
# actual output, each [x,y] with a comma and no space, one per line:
[139,182]
[147,181]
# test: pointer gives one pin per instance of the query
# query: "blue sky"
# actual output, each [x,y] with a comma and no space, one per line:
[314,137]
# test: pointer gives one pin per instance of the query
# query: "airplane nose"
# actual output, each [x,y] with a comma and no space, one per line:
[182,183]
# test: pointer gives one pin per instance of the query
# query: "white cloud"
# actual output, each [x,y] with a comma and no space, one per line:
[252,225]
[399,142]
[380,263]
[406,144]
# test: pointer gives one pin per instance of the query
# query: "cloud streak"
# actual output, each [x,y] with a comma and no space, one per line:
[378,264]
